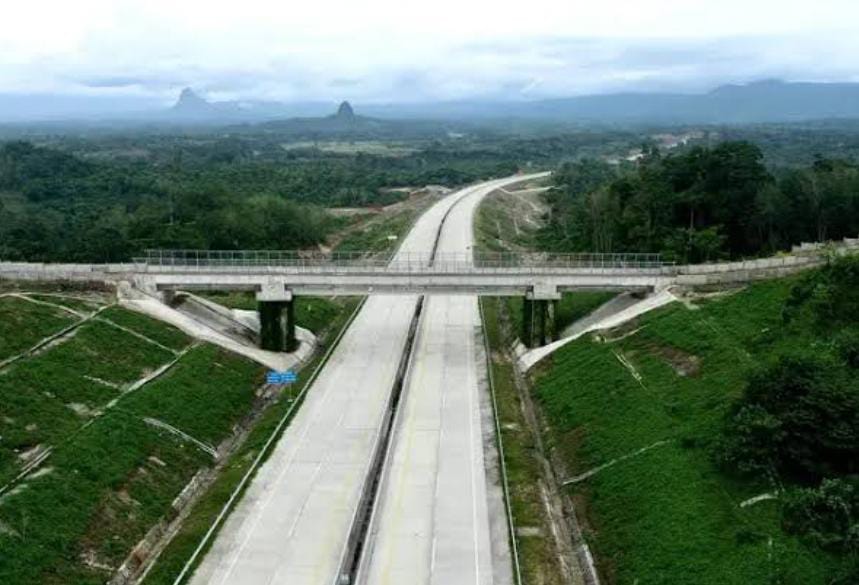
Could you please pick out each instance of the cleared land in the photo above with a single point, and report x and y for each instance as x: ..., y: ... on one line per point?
x: 647, y: 403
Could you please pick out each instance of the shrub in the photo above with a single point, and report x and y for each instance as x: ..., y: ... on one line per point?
x: 798, y: 415
x: 828, y: 514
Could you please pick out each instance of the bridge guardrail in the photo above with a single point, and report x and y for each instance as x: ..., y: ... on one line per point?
x: 402, y: 262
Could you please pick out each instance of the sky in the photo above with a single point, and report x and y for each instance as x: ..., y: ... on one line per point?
x: 378, y: 51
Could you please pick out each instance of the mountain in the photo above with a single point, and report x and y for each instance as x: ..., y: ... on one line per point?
x: 345, y: 112
x: 192, y: 105
x: 346, y: 123
x: 763, y: 101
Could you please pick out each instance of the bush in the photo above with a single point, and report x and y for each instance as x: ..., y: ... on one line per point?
x: 828, y: 514
x: 847, y: 343
x: 798, y: 415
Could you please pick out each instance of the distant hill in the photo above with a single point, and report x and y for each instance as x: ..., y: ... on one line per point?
x: 346, y: 123
x: 763, y: 101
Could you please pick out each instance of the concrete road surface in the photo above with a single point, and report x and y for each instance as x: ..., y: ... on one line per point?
x: 440, y: 516
x: 292, y: 523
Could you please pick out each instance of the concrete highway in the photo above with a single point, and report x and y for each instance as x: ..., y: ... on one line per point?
x: 440, y: 516
x: 291, y: 526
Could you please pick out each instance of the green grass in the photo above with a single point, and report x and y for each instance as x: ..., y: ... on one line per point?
x: 46, y: 397
x: 207, y: 508
x: 184, y: 397
x: 506, y: 223
x: 538, y: 559
x: 23, y: 324
x: 669, y: 515
x: 80, y: 304
x: 107, y: 483
x: 154, y: 330
x: 374, y: 236
x: 313, y: 313
x: 572, y: 307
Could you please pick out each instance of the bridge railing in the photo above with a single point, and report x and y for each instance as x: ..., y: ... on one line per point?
x: 402, y: 261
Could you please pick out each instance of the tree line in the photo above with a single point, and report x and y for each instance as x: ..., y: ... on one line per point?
x: 701, y: 205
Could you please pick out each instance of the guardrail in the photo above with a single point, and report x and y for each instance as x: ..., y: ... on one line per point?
x: 400, y: 262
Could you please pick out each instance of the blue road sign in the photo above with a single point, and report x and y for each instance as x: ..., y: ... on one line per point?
x: 287, y: 377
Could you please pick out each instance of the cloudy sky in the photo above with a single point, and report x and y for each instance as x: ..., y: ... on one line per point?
x: 400, y: 50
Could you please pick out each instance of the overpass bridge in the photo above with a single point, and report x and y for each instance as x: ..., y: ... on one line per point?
x: 278, y: 275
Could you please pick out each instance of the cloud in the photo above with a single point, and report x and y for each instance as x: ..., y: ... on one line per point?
x: 387, y: 50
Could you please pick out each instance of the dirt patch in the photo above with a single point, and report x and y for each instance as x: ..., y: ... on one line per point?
x: 80, y: 409
x: 684, y: 364
x: 622, y: 331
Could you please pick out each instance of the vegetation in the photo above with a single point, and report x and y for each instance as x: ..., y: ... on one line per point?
x: 797, y: 421
x: 46, y: 398
x: 207, y: 508
x: 649, y: 402
x: 23, y: 324
x: 313, y: 313
x: 702, y: 204
x: 111, y: 474
x: 538, y: 554
x: 101, y: 490
x: 154, y: 330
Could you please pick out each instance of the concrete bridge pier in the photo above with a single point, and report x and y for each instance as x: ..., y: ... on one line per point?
x: 277, y: 318
x: 538, y: 322
x: 538, y: 316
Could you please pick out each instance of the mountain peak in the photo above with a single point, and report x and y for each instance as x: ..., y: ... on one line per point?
x: 189, y: 101
x: 345, y: 111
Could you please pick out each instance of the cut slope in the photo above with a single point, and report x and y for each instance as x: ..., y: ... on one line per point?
x: 650, y: 405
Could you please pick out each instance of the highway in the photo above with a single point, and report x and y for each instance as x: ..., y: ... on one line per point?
x: 291, y: 526
x: 440, y: 515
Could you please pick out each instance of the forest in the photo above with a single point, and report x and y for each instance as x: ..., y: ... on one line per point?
x: 701, y: 204
x: 103, y: 197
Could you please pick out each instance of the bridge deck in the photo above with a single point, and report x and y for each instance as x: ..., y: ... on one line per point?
x: 361, y: 274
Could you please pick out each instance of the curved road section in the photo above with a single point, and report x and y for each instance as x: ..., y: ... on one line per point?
x: 292, y: 524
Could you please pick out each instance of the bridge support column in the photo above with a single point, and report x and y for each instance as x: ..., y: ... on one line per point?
x: 541, y: 316
x: 527, y: 333
x: 291, y: 340
x: 277, y: 325
x: 538, y: 322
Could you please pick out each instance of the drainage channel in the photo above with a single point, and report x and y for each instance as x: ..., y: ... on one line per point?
x: 364, y: 514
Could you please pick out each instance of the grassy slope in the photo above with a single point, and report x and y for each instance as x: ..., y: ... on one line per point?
x: 23, y: 324
x: 668, y: 515
x: 106, y: 483
x: 205, y: 510
x: 38, y: 394
x: 374, y: 237
x: 155, y: 330
x: 496, y: 230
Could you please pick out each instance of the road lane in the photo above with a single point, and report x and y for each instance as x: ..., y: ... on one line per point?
x: 291, y: 524
x: 440, y: 518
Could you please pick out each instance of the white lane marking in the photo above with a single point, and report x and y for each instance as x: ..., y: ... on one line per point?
x: 301, y: 442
